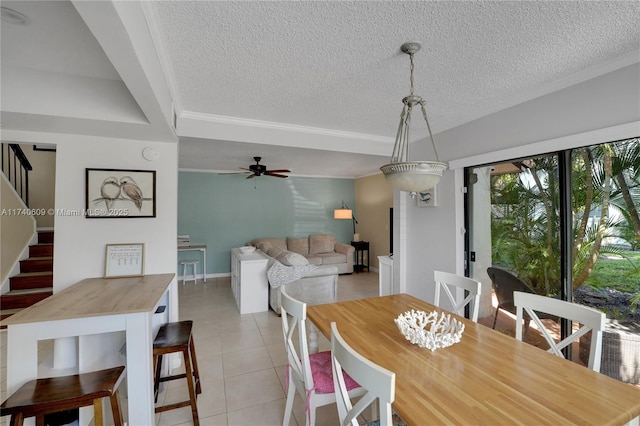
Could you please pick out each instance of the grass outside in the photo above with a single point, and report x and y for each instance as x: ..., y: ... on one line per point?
x: 618, y: 272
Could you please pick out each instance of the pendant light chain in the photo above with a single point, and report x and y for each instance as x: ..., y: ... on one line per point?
x: 411, y: 72
x: 422, y: 103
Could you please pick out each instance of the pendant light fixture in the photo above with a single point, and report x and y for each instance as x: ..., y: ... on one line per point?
x: 405, y: 175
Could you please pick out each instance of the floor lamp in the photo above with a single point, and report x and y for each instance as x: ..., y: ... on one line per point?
x: 346, y: 213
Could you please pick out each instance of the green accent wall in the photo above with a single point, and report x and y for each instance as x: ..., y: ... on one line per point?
x: 227, y: 211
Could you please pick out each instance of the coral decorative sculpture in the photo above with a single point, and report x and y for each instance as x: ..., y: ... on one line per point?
x: 428, y: 330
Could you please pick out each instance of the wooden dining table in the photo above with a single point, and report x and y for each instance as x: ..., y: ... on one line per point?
x: 488, y: 378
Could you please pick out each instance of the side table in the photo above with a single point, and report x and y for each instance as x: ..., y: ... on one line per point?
x: 361, y: 247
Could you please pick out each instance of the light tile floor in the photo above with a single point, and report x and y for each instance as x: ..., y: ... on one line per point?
x: 241, y: 359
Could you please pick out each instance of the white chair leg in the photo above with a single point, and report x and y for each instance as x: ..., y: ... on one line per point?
x: 291, y: 394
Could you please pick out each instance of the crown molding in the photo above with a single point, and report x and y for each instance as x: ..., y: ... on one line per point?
x: 209, y: 126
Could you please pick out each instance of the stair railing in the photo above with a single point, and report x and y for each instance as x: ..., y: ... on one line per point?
x: 16, y: 168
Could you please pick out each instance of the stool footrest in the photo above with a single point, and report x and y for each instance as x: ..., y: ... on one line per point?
x: 173, y: 406
x: 174, y: 377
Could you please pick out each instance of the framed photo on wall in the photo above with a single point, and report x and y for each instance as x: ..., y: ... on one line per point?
x: 427, y: 198
x: 118, y: 193
x: 124, y: 260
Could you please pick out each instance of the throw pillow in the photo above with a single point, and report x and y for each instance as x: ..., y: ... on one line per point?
x: 275, y: 252
x: 298, y: 245
x: 263, y: 246
x: 321, y: 243
x: 292, y: 259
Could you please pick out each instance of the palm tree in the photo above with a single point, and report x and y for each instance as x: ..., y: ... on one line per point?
x: 525, y: 225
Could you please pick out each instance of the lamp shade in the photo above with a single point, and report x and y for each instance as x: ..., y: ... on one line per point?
x: 342, y: 214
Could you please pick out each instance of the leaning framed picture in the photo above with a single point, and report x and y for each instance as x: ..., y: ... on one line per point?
x: 427, y: 198
x: 124, y: 260
x: 119, y: 193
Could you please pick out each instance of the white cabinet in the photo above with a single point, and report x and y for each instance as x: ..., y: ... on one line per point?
x: 249, y: 281
x: 385, y: 275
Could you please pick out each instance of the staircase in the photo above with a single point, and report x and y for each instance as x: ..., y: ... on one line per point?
x: 35, y: 280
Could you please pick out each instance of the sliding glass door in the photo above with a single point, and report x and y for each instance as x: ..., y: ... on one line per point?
x: 518, y: 215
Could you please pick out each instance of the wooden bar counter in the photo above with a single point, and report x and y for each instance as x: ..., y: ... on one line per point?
x: 92, y: 307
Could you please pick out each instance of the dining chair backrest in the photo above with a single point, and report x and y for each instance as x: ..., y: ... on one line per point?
x: 588, y: 318
x: 446, y: 281
x: 294, y: 317
x: 378, y: 382
x: 308, y: 374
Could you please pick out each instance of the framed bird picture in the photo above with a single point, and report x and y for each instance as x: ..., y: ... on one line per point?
x: 118, y: 193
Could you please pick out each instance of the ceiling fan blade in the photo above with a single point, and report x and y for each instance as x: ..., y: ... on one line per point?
x: 276, y: 175
x: 251, y: 176
x: 234, y: 173
x: 279, y: 171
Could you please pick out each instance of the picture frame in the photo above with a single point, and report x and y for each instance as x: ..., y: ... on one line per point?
x: 120, y: 193
x: 427, y: 198
x: 124, y: 260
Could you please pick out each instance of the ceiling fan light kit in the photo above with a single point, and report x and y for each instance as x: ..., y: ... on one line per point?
x: 402, y: 174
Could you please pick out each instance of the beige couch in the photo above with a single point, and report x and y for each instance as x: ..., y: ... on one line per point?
x: 321, y: 250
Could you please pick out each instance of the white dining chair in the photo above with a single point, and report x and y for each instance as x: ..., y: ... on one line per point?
x: 309, y: 374
x: 589, y: 319
x: 380, y: 384
x: 446, y: 281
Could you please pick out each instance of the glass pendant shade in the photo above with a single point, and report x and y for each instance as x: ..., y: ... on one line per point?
x: 414, y: 176
x: 402, y: 174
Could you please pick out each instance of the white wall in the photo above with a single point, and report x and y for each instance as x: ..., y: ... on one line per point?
x: 603, y: 109
x: 80, y: 242
x: 79, y: 248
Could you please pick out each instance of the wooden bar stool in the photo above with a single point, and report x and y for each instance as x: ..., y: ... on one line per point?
x: 51, y: 395
x: 176, y: 337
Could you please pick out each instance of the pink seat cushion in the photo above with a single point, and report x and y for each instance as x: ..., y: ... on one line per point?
x: 322, y: 375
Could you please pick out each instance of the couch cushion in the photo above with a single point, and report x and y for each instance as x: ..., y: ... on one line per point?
x: 275, y: 252
x: 263, y: 246
x: 321, y: 243
x: 332, y: 258
x: 290, y: 258
x: 276, y: 242
x: 298, y: 245
x: 314, y: 259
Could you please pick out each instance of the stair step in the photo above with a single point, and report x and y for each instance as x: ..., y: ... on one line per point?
x: 30, y: 280
x: 38, y: 250
x: 6, y: 313
x: 16, y: 299
x: 45, y: 237
x: 37, y: 264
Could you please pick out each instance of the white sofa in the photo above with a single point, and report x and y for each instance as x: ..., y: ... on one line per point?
x: 318, y: 287
x: 309, y: 277
x: 321, y: 250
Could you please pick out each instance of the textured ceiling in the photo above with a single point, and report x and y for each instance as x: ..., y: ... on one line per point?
x: 337, y: 65
x: 313, y: 86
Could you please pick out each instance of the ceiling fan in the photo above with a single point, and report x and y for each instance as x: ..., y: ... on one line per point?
x: 260, y: 169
